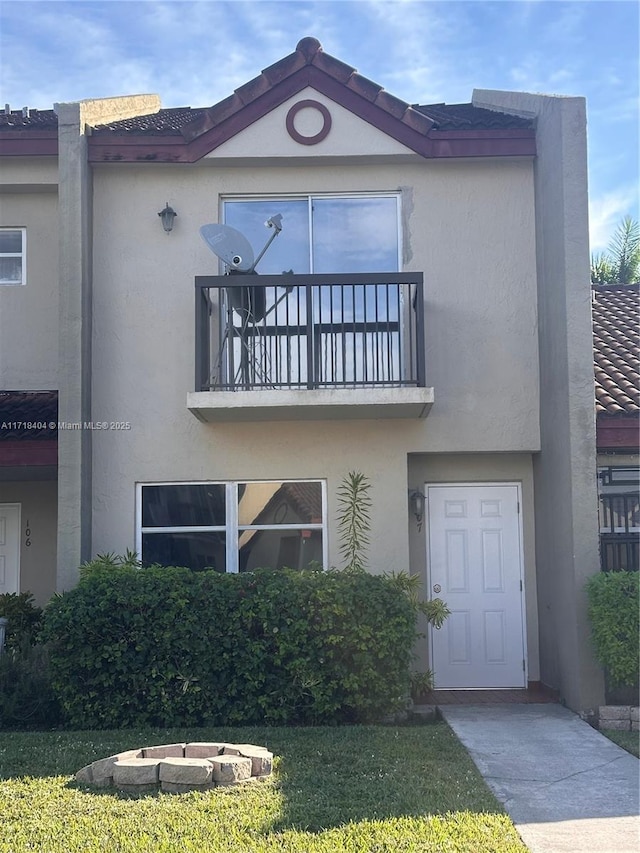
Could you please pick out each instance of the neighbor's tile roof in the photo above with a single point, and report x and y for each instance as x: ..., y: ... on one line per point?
x: 28, y: 119
x: 616, y: 349
x: 18, y: 409
x: 305, y: 498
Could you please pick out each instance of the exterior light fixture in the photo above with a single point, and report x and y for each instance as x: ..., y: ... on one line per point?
x: 417, y: 502
x: 167, y: 215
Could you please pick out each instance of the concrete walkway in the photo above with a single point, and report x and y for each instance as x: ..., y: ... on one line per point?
x: 567, y: 788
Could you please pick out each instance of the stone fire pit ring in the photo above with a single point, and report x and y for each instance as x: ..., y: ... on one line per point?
x: 179, y: 767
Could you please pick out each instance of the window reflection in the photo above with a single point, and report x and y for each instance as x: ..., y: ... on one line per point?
x: 294, y: 549
x: 290, y: 249
x: 196, y: 551
x: 279, y: 503
x: 274, y: 524
x: 184, y: 505
x: 355, y: 234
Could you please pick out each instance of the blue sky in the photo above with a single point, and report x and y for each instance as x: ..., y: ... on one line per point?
x: 196, y: 53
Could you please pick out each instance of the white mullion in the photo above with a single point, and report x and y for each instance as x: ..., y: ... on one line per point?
x: 399, y: 229
x: 325, y: 525
x: 185, y: 529
x: 276, y: 527
x: 310, y: 219
x: 138, y: 520
x: 231, y: 538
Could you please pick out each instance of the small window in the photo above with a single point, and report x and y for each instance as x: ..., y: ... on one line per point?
x: 13, y: 255
x: 232, y: 527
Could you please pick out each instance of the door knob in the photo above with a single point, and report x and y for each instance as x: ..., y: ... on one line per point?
x: 437, y: 587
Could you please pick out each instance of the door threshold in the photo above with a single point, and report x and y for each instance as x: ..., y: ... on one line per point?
x: 533, y: 694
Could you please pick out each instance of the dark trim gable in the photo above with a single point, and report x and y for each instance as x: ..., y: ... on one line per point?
x: 308, y: 66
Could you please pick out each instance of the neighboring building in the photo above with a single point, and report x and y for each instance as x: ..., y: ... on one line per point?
x: 434, y: 334
x: 616, y: 339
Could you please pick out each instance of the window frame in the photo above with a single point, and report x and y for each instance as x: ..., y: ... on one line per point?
x: 309, y: 197
x: 22, y: 254
x: 232, y: 528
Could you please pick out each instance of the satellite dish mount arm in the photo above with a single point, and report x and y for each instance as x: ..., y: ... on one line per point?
x: 274, y: 222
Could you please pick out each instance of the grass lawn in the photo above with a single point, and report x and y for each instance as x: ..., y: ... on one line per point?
x: 363, y: 789
x: 627, y: 740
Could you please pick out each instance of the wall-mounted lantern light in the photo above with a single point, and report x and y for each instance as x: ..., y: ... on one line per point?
x: 417, y: 502
x: 167, y: 215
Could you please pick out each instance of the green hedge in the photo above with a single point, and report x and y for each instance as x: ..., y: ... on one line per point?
x: 613, y: 611
x: 24, y: 618
x: 167, y: 646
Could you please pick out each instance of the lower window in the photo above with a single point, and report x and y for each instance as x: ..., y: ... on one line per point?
x: 232, y: 527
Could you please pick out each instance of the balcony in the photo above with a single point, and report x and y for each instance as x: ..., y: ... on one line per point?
x: 309, y: 347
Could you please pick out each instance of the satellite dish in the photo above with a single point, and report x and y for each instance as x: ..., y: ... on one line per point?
x: 230, y: 246
x: 233, y: 248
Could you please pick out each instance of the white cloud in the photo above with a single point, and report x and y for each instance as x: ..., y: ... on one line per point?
x: 606, y: 211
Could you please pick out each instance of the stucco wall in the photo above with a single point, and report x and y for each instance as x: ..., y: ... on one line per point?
x: 29, y: 174
x: 38, y: 510
x: 565, y: 470
x: 74, y: 322
x: 349, y: 135
x: 29, y: 312
x: 467, y: 225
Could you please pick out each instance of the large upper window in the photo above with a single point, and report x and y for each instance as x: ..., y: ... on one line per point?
x: 348, y: 334
x: 232, y: 527
x: 322, y: 234
x: 13, y: 255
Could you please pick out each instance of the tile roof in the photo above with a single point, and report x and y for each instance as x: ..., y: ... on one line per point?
x: 18, y: 409
x: 185, y: 134
x: 467, y: 116
x: 171, y: 122
x: 28, y: 119
x: 166, y: 122
x: 307, y: 497
x: 616, y: 349
x: 309, y: 53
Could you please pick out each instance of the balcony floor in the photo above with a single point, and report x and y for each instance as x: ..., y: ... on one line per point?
x: 310, y: 405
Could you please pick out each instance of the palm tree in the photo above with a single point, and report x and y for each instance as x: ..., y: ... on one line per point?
x: 620, y: 264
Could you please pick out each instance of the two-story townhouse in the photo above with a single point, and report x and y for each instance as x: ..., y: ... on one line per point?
x: 432, y: 331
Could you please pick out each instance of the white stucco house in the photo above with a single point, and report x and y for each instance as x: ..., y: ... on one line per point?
x: 433, y: 331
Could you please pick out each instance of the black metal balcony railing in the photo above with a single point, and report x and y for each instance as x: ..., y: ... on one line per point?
x: 309, y: 331
x: 619, y: 531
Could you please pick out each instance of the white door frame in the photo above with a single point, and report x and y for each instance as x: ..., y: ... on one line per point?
x: 17, y: 506
x: 523, y: 608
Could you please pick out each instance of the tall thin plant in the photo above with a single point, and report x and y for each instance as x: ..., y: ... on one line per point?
x: 620, y: 264
x: 354, y: 520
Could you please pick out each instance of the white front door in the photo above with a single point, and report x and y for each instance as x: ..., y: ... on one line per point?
x: 475, y: 565
x: 9, y: 548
